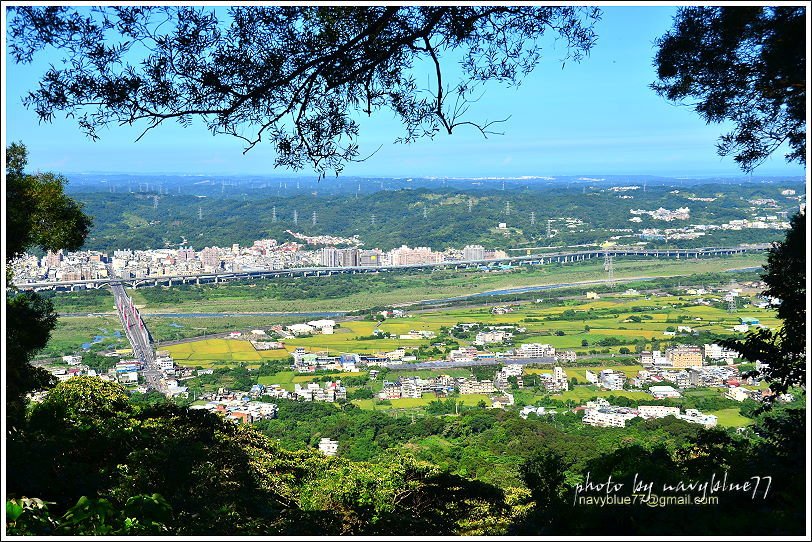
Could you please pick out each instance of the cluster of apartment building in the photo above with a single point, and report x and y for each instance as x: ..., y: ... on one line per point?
x: 263, y: 255
x: 240, y: 410
x: 496, y: 335
x: 329, y: 393
x: 310, y: 362
x: 555, y: 382
x: 683, y: 356
x: 600, y: 413
x: 681, y: 213
x: 693, y: 231
x: 326, y: 239
x: 607, y: 378
x: 403, y: 255
x: 59, y: 266
x: 415, y: 387
x: 714, y: 376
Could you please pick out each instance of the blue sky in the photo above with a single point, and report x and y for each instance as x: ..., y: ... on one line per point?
x: 596, y: 117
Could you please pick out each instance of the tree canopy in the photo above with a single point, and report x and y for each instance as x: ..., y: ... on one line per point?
x: 38, y: 213
x: 746, y: 64
x: 295, y: 76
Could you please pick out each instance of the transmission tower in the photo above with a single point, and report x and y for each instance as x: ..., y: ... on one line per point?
x: 609, y: 267
x: 425, y: 213
x: 507, y: 208
x: 200, y: 213
x: 372, y: 219
x: 549, y: 228
x: 731, y: 298
x: 273, y: 214
x: 470, y: 205
x: 155, y: 202
x: 295, y: 217
x: 532, y: 218
x: 314, y: 218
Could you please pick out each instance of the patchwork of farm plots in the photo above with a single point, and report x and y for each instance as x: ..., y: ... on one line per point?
x: 579, y: 326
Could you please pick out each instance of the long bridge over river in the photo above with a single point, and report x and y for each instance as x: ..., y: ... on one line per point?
x: 535, y: 259
x: 139, y: 337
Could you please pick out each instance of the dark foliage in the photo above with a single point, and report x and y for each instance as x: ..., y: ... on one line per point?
x: 29, y: 322
x: 745, y: 64
x: 38, y: 214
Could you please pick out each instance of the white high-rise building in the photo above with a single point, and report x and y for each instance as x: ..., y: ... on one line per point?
x: 473, y: 252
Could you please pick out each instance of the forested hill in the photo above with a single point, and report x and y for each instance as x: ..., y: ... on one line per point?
x: 438, y: 217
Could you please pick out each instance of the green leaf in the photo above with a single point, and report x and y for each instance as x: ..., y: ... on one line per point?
x: 13, y: 510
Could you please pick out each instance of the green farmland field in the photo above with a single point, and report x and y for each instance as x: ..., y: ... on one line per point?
x: 730, y: 417
x: 369, y: 404
x: 214, y: 352
x: 580, y: 394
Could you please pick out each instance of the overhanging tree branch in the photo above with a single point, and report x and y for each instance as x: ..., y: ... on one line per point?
x: 292, y: 75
